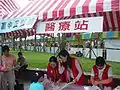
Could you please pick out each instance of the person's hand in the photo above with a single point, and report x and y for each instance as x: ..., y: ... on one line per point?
x: 6, y: 69
x: 59, y: 60
x: 58, y: 82
x: 74, y: 81
x: 41, y: 79
x: 96, y: 83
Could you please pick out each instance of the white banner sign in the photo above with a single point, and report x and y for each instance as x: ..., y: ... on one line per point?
x: 17, y: 23
x: 91, y: 24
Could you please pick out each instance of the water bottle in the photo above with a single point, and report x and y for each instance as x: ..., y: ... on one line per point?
x: 46, y: 81
x: 45, y: 76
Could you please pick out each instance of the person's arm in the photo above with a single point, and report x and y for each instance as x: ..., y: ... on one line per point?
x: 18, y: 61
x: 61, y: 68
x: 77, y: 64
x: 4, y: 67
x: 92, y: 80
x: 110, y: 78
x: 62, y: 78
x: 3, y: 62
x: 107, y: 81
x: 14, y: 61
x: 24, y: 62
x: 92, y: 77
x: 15, y: 66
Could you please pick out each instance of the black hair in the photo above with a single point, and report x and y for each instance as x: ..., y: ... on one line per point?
x: 36, y: 76
x: 19, y: 53
x: 53, y: 59
x: 65, y: 53
x: 100, y: 61
x: 5, y: 48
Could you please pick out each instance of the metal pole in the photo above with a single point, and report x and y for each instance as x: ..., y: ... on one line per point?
x: 35, y: 42
x: 54, y: 45
x: 0, y: 44
x: 0, y: 60
x: 25, y: 42
x: 20, y: 44
x: 44, y: 44
x: 58, y: 41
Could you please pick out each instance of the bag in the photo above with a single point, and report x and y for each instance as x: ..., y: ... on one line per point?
x: 19, y: 87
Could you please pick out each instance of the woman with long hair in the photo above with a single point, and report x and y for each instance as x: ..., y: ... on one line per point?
x: 71, y: 67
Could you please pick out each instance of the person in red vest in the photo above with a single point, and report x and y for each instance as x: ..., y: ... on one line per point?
x: 101, y: 74
x: 71, y: 68
x: 52, y: 71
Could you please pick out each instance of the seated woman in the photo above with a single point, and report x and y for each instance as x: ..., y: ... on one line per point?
x: 101, y: 74
x: 22, y: 61
x: 71, y: 67
x: 52, y: 71
x: 36, y: 83
x: 22, y: 65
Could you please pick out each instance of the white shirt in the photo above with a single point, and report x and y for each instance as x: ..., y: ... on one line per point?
x: 100, y: 73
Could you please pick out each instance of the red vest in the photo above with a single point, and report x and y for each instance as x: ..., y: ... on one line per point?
x: 53, y: 74
x: 104, y: 75
x: 75, y: 73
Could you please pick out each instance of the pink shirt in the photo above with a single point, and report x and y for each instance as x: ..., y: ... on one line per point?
x: 9, y: 61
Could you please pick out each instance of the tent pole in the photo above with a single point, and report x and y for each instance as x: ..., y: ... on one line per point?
x: 54, y: 45
x: 63, y: 43
x: 40, y: 44
x: 0, y: 60
x: 13, y: 42
x: 35, y: 42
x: 90, y: 47
x: 58, y: 41
x: 44, y: 44
x: 25, y: 44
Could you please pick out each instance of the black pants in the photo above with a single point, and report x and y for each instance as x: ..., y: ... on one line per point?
x: 19, y: 87
x: 18, y: 74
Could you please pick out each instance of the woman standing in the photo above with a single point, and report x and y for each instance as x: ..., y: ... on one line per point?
x: 9, y: 62
x: 22, y: 61
x: 71, y: 67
